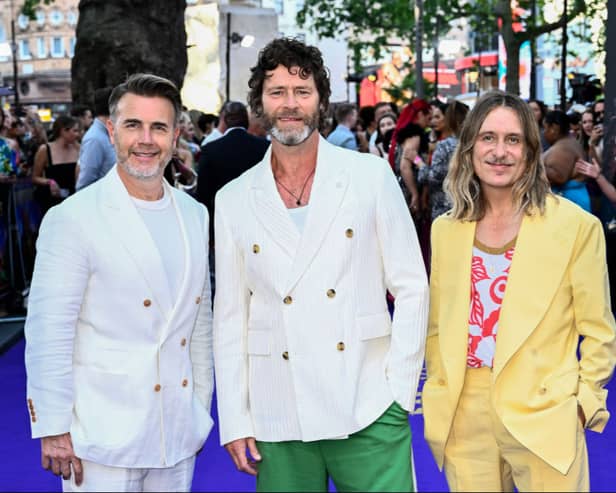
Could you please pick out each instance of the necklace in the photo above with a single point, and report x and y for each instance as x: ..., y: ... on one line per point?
x: 298, y: 200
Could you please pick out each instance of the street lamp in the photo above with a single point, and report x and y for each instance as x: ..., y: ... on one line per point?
x: 14, y: 50
x: 245, y: 41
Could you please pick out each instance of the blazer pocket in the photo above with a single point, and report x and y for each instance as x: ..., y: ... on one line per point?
x: 259, y: 342
x: 373, y: 326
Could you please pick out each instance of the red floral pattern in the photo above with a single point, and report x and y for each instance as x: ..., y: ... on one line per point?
x: 488, y: 286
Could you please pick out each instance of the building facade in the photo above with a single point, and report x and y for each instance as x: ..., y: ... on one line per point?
x: 45, y: 46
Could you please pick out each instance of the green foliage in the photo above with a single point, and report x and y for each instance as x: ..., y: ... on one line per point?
x: 29, y: 7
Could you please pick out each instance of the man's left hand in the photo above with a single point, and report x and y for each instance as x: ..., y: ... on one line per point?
x: 57, y: 455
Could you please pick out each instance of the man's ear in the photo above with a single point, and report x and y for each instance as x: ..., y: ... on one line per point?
x: 109, y: 125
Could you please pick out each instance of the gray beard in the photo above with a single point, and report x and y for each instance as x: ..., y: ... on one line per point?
x: 291, y: 137
x: 150, y: 174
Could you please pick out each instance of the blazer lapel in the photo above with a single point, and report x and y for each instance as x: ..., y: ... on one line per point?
x: 187, y: 247
x: 269, y: 208
x: 128, y: 229
x: 540, y: 257
x: 328, y: 190
x: 455, y: 264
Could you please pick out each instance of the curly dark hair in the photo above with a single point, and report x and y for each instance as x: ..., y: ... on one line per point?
x: 291, y: 53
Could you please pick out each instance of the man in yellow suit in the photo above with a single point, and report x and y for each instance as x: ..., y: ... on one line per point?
x: 507, y: 397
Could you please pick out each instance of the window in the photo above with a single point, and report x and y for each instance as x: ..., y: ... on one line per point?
x: 279, y: 6
x: 41, y: 47
x: 56, y: 17
x: 23, y: 21
x: 71, y: 49
x: 24, y: 50
x: 5, y: 48
x: 40, y: 18
x: 72, y: 18
x: 57, y: 48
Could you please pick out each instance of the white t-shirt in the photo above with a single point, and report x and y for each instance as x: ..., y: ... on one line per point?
x: 298, y: 216
x: 162, y: 222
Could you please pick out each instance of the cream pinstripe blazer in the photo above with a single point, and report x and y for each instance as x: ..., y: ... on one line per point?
x: 304, y: 346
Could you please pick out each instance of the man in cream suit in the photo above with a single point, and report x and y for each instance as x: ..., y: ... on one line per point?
x: 314, y: 379
x: 521, y: 340
x: 118, y: 332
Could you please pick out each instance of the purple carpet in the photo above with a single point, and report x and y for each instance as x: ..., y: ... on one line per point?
x: 20, y: 465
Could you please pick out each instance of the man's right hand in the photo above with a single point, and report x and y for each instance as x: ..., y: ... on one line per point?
x: 57, y: 455
x: 237, y: 451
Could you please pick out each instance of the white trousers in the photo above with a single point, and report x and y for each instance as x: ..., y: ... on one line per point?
x: 97, y: 477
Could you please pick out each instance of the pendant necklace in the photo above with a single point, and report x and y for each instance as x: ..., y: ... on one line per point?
x: 298, y: 200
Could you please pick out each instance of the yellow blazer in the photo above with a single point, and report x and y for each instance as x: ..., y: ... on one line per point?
x: 557, y: 291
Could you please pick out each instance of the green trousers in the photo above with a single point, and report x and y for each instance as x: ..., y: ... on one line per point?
x: 377, y: 458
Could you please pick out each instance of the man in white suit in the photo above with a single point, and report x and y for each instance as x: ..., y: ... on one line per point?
x: 118, y: 332
x: 314, y: 378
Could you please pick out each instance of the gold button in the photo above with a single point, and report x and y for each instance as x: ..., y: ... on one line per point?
x: 198, y: 300
x: 441, y: 381
x: 34, y: 419
x: 543, y: 390
x: 288, y: 300
x: 285, y: 355
x: 184, y: 383
x: 349, y: 233
x: 331, y: 293
x: 157, y: 387
x: 183, y: 341
x: 340, y: 346
x: 256, y: 248
x: 30, y: 401
x: 147, y: 302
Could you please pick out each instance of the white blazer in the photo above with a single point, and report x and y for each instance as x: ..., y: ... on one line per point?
x: 108, y: 357
x: 304, y: 345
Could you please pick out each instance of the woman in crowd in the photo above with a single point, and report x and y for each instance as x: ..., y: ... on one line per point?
x: 416, y: 112
x: 384, y: 124
x: 539, y: 110
x: 518, y: 277
x: 55, y: 164
x: 560, y: 159
x: 438, y: 126
x: 434, y: 175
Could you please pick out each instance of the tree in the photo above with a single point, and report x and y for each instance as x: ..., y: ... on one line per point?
x: 116, y: 38
x: 371, y: 24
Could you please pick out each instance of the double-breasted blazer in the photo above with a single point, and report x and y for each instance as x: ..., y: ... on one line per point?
x: 109, y: 357
x: 557, y: 293
x: 304, y: 345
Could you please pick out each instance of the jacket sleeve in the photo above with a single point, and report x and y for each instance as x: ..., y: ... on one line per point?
x: 433, y: 354
x: 91, y: 157
x: 58, y: 285
x: 405, y: 278
x: 201, y: 352
x: 595, y: 323
x: 230, y: 332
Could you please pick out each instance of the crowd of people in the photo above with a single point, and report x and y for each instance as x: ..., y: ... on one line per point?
x: 349, y: 247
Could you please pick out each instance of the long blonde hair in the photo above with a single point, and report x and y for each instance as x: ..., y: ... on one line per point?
x: 462, y: 184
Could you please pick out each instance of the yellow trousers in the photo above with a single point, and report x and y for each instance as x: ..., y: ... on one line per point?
x: 481, y: 455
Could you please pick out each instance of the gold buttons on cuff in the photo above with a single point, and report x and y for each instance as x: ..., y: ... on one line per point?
x: 157, y: 387
x: 147, y: 302
x: 184, y: 383
x: 287, y: 300
x: 349, y: 233
x: 331, y: 293
x: 34, y: 419
x: 256, y: 248
x: 285, y: 355
x: 183, y: 341
x: 340, y: 346
x: 198, y: 300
